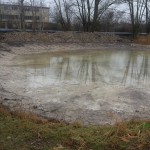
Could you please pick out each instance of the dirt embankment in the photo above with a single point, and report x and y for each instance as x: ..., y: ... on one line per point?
x: 60, y: 37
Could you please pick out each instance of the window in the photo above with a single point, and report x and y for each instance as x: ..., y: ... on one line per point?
x: 31, y: 17
x: 6, y: 7
x: 36, y: 9
x: 37, y: 17
x: 28, y: 17
x: 8, y: 17
x: 27, y: 9
x: 14, y: 7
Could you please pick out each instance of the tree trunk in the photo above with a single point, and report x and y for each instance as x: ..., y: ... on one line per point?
x: 147, y: 24
x: 94, y: 24
x: 22, y: 19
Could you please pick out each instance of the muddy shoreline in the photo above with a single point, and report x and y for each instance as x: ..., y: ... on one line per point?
x: 117, y: 103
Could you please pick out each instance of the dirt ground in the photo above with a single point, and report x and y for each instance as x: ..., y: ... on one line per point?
x: 104, y: 104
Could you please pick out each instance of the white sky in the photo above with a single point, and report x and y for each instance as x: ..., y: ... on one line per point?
x: 46, y: 2
x: 49, y: 3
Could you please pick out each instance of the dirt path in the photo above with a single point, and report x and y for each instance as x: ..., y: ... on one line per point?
x: 92, y: 104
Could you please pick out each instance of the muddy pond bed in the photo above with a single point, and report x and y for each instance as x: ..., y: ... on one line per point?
x: 94, y: 86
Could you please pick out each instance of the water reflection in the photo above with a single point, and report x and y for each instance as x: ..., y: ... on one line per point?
x: 137, y: 68
x: 105, y: 67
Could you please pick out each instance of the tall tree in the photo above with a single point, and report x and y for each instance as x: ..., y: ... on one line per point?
x: 100, y: 8
x: 82, y: 11
x: 63, y: 13
x: 91, y: 11
x: 41, y: 15
x: 34, y: 14
x: 147, y: 2
x: 22, y: 15
x: 137, y: 9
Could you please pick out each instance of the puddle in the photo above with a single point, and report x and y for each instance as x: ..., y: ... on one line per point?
x: 117, y: 67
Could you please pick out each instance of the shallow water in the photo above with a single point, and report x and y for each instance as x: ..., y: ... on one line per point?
x: 113, y: 67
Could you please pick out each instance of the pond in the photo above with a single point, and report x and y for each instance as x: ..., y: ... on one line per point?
x: 111, y: 67
x: 92, y: 86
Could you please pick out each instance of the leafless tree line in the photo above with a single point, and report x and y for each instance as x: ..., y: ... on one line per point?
x: 139, y: 13
x: 89, y: 15
x: 85, y: 12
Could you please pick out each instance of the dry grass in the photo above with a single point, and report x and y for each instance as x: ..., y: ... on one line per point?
x: 145, y: 40
x: 23, y: 131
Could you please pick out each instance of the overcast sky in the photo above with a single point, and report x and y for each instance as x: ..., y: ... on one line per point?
x: 50, y: 3
x: 46, y: 2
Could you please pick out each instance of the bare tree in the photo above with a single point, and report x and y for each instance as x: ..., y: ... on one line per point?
x: 17, y: 20
x: 100, y: 8
x: 34, y: 15
x: 22, y: 14
x: 147, y: 4
x: 41, y: 15
x: 63, y: 13
x: 0, y: 14
x: 137, y: 9
x: 90, y: 12
x: 84, y: 11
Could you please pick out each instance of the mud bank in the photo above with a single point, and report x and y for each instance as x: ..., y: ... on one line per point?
x: 89, y: 104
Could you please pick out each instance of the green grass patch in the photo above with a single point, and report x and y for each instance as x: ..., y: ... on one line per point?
x: 20, y: 131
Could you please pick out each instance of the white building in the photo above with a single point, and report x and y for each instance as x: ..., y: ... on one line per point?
x: 10, y: 16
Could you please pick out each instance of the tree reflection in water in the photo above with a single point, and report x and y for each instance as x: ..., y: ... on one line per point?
x: 137, y: 69
x: 106, y: 67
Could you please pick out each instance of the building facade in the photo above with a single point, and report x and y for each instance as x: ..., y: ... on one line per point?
x: 10, y: 16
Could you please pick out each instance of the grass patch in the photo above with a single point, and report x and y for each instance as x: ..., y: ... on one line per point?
x: 23, y: 132
x: 145, y: 40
